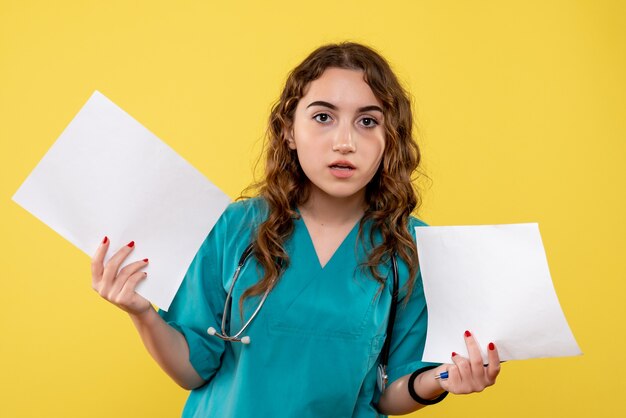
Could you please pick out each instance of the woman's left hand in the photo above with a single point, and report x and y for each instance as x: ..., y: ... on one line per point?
x: 470, y: 375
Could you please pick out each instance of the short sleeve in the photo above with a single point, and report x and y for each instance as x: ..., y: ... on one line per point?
x: 409, y: 331
x: 199, y: 302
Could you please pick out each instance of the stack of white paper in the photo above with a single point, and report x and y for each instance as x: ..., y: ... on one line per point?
x: 108, y: 175
x: 492, y: 280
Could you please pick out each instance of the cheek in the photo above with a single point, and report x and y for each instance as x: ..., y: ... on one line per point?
x: 378, y: 161
x: 379, y: 152
x: 304, y: 158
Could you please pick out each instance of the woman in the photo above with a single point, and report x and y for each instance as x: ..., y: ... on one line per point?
x: 333, y: 209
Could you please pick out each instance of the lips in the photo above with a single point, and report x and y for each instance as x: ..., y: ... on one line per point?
x: 342, y: 169
x: 342, y: 165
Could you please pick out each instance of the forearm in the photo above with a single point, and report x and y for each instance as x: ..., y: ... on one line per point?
x: 396, y: 399
x: 168, y: 347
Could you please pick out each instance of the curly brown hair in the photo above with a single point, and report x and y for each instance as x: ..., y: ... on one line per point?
x: 391, y: 195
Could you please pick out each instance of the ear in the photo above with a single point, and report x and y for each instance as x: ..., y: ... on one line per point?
x: 291, y: 143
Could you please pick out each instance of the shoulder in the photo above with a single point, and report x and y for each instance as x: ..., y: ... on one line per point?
x: 233, y: 232
x: 414, y: 223
x: 238, y: 224
x: 250, y: 207
x: 244, y: 213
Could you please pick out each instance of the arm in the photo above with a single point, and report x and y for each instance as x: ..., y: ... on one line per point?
x: 465, y: 376
x: 168, y: 348
x: 165, y: 344
x: 396, y: 399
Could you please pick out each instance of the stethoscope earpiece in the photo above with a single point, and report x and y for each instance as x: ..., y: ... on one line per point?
x: 243, y: 340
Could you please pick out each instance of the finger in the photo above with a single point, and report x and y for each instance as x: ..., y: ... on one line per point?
x: 128, y: 295
x: 451, y: 379
x: 463, y: 382
x: 133, y: 267
x: 124, y: 274
x: 133, y: 281
x: 97, y: 261
x: 463, y: 367
x: 111, y: 268
x: 475, y: 357
x: 493, y: 369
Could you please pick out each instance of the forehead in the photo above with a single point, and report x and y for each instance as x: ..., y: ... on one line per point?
x: 342, y: 87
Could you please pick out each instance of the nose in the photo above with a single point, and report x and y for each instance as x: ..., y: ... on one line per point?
x: 344, y: 141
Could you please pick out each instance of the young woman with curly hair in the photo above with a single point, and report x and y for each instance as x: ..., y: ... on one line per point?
x: 330, y: 218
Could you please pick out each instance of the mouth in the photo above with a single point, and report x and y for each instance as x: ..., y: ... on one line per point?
x: 342, y: 165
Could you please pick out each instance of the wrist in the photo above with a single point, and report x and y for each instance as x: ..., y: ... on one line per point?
x: 424, y: 388
x: 143, y: 317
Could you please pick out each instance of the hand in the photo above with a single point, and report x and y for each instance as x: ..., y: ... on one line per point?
x: 469, y: 375
x: 119, y: 287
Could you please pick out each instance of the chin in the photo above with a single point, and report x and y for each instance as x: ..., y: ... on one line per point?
x: 343, y: 193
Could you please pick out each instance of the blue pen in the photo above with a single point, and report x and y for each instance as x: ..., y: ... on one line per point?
x: 442, y: 376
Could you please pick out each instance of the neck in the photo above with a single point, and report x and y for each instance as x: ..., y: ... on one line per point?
x: 329, y: 210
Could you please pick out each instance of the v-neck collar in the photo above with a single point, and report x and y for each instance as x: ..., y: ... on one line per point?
x: 312, y: 249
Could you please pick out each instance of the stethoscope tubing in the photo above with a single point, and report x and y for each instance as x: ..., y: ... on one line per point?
x: 384, y: 354
x: 223, y: 335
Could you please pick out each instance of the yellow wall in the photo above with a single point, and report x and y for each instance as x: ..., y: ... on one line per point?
x: 521, y: 106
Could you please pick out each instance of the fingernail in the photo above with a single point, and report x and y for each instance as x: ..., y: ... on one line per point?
x: 145, y: 260
x: 468, y: 334
x: 492, y: 346
x: 131, y: 244
x: 104, y: 241
x: 453, y: 354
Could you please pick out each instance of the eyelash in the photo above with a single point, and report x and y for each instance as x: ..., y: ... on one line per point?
x: 365, y: 126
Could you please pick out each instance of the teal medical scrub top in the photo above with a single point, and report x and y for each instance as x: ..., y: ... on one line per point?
x: 316, y: 341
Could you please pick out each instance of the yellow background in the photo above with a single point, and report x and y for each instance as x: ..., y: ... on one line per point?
x: 521, y: 106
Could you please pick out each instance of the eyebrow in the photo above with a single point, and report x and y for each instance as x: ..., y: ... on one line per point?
x: 333, y: 107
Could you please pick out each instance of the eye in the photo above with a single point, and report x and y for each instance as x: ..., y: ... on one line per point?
x: 322, y: 117
x: 369, y: 122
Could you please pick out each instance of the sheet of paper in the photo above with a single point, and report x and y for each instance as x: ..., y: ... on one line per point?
x: 494, y: 281
x: 108, y: 175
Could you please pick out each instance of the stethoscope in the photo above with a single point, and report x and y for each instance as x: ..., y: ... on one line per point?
x: 382, y: 377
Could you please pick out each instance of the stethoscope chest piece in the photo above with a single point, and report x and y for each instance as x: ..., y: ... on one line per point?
x: 381, y: 377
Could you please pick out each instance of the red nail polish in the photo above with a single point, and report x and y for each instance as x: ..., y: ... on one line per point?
x: 453, y: 354
x: 492, y: 346
x: 145, y: 260
x: 131, y: 244
x: 468, y: 334
x: 104, y: 241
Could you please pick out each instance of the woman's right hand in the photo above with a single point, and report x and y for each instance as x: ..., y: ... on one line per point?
x: 119, y: 287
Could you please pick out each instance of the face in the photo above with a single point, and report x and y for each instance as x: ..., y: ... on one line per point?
x: 338, y: 134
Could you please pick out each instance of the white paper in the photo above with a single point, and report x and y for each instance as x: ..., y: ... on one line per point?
x: 108, y: 175
x: 494, y: 281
